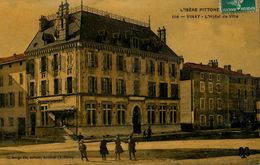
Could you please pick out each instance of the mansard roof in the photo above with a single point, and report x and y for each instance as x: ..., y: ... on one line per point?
x: 86, y: 26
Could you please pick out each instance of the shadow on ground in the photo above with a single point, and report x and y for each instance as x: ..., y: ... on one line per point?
x: 177, y: 154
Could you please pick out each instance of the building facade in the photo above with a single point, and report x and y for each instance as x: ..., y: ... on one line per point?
x: 242, y: 99
x: 257, y: 83
x: 13, y: 94
x: 101, y: 74
x: 214, y: 97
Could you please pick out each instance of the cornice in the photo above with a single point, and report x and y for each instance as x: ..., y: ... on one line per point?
x: 100, y: 46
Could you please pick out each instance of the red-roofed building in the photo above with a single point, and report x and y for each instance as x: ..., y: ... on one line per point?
x: 13, y: 94
x: 214, y: 97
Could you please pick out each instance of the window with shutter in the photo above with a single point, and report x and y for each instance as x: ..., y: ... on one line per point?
x: 151, y: 114
x: 107, y: 113
x: 161, y: 68
x: 43, y: 88
x: 106, y: 62
x: 136, y: 65
x: 172, y: 70
x: 47, y: 88
x: 162, y: 114
x: 69, y: 85
x: 106, y: 86
x: 136, y: 86
x: 163, y: 90
x: 174, y: 91
x: 152, y: 89
x: 121, y: 108
x: 7, y: 100
x: 92, y: 85
x: 1, y: 81
x: 60, y: 86
x: 120, y: 63
x: 120, y: 84
x: 43, y: 64
x: 74, y: 85
x: 56, y: 86
x: 91, y: 113
x: 55, y: 62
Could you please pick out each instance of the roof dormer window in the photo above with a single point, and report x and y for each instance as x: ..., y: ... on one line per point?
x: 135, y: 42
x: 102, y: 36
x: 117, y: 38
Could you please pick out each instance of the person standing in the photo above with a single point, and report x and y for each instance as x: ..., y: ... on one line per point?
x: 144, y: 134
x: 131, y: 147
x: 149, y: 133
x: 118, y: 148
x: 103, y: 148
x: 83, y: 150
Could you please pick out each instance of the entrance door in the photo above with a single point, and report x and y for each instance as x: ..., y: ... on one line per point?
x: 33, y: 123
x: 21, y: 127
x: 136, y: 120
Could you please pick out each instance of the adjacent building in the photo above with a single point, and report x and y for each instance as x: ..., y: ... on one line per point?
x: 13, y: 94
x: 242, y: 98
x: 257, y: 84
x: 214, y: 97
x: 101, y: 74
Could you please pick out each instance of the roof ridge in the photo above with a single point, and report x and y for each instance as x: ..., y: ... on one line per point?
x: 216, y: 69
x: 102, y: 13
x: 12, y: 58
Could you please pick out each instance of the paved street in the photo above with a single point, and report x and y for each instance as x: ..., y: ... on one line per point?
x: 144, y: 153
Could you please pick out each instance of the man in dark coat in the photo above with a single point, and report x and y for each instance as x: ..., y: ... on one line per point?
x: 118, y: 148
x: 103, y: 148
x: 149, y: 133
x: 131, y: 147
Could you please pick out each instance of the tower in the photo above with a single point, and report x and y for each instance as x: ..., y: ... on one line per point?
x: 62, y: 21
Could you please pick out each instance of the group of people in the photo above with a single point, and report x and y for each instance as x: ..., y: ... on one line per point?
x: 104, y: 151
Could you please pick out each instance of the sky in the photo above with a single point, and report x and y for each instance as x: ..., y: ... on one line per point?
x: 234, y: 41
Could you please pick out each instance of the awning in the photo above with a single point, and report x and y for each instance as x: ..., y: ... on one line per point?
x: 63, y: 108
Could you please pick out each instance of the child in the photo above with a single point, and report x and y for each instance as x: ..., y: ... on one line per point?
x: 83, y: 150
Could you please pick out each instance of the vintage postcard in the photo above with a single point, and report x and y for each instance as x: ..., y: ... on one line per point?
x: 129, y: 82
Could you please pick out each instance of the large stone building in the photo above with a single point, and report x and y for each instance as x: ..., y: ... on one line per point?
x: 100, y: 73
x: 214, y: 97
x: 13, y: 94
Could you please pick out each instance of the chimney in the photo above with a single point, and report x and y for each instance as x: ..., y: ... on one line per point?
x: 181, y: 62
x: 240, y: 71
x: 216, y: 63
x: 213, y: 63
x: 210, y: 63
x: 227, y: 67
x: 62, y: 21
x: 162, y: 34
x: 43, y: 23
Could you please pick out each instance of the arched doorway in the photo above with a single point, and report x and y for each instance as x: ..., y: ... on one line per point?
x: 136, y: 120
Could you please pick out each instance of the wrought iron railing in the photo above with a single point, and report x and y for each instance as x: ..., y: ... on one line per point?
x: 102, y: 13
